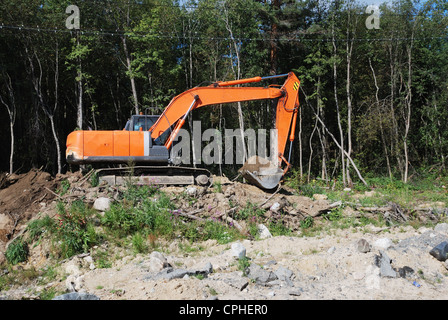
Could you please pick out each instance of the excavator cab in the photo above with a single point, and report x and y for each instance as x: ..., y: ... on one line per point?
x: 144, y: 123
x: 140, y: 122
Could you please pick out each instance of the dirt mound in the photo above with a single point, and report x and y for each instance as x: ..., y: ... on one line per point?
x: 21, y: 197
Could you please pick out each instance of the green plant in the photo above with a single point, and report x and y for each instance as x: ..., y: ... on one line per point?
x: 138, y: 243
x: 243, y: 264
x: 38, y: 227
x: 307, y: 223
x: 217, y: 186
x: 17, y: 251
x: 74, y: 230
x: 249, y: 211
x: 102, y: 259
x: 94, y: 179
x: 279, y: 229
x: 63, y: 188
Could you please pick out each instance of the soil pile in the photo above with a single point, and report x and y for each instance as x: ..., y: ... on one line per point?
x: 21, y: 197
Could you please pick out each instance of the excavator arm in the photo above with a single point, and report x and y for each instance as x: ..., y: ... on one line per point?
x: 223, y: 92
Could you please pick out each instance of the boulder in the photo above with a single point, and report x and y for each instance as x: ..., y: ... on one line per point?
x: 261, y: 276
x: 384, y: 263
x: 363, y: 246
x: 102, y: 204
x: 440, y: 252
x: 238, y: 250
x: 263, y: 232
x: 157, y: 261
x: 383, y: 243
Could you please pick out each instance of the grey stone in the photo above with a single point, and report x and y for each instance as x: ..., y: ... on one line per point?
x: 406, y: 272
x: 263, y: 232
x: 284, y: 273
x: 441, y: 227
x: 363, y: 246
x: 169, y: 273
x: 384, y: 263
x: 157, y: 261
x: 440, y: 252
x: 383, y: 243
x: 102, y: 204
x: 238, y: 250
x: 275, y: 207
x: 260, y: 275
x: 76, y: 296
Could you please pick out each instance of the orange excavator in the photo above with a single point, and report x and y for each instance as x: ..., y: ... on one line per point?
x: 140, y: 141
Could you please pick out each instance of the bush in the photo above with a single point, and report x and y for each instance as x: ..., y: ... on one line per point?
x: 17, y: 251
x: 74, y: 231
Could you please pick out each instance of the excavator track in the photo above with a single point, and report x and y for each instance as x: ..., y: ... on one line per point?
x: 155, y: 175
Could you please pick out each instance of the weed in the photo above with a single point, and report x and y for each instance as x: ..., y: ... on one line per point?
x: 17, y: 251
x: 73, y: 229
x: 102, y: 259
x: 138, y: 243
x: 243, y: 264
x: 217, y: 186
x: 38, y: 227
x: 94, y: 179
x: 307, y: 223
x: 279, y: 229
x: 63, y: 188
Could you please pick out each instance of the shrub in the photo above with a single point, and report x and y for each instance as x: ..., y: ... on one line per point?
x: 17, y: 251
x: 75, y: 233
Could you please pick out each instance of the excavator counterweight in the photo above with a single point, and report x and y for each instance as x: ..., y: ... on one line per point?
x: 147, y: 140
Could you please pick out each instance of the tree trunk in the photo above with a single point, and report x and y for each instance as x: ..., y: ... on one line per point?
x: 131, y: 77
x: 11, y: 108
x: 341, y: 132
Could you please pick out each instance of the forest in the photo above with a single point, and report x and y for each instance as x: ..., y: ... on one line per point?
x: 373, y: 92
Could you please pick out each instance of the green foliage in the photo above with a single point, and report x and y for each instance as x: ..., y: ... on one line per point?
x: 17, y: 251
x: 74, y: 231
x: 250, y: 211
x: 138, y: 243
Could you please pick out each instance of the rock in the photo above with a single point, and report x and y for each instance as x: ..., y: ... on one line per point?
x: 76, y: 296
x: 263, y: 232
x: 275, y: 207
x: 191, y: 191
x: 73, y: 267
x: 74, y: 283
x: 102, y: 204
x: 383, y: 243
x: 285, y: 274
x: 261, y: 276
x: 331, y: 250
x: 238, y: 250
x: 384, y: 263
x: 318, y: 196
x: 406, y: 272
x: 363, y: 246
x: 441, y: 227
x: 157, y: 261
x: 169, y: 273
x: 208, y: 268
x: 440, y: 252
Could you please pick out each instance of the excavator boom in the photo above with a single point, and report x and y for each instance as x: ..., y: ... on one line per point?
x: 143, y: 146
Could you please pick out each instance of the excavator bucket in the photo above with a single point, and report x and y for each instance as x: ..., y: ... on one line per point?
x: 261, y: 173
